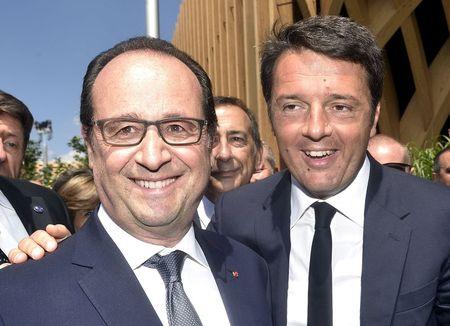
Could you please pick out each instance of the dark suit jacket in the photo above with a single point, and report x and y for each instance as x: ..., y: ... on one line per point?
x: 406, y: 246
x: 36, y: 206
x: 88, y: 282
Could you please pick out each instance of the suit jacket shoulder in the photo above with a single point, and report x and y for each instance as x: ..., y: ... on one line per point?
x: 87, y: 281
x: 35, y: 205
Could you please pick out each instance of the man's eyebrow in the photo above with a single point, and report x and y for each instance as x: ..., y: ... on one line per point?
x: 236, y: 132
x: 287, y: 97
x: 8, y: 134
x: 347, y: 97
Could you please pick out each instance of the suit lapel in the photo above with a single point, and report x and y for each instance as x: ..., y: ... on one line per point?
x: 20, y: 203
x: 273, y: 236
x: 229, y: 286
x: 109, y: 283
x: 385, y: 247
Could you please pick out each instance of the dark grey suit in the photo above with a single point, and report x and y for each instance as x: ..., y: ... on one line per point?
x: 406, y: 248
x: 36, y: 206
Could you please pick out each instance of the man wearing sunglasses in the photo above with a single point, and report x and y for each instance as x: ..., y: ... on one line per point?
x: 389, y: 152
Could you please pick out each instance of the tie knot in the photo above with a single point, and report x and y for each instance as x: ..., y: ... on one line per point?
x: 324, y: 213
x: 168, y: 266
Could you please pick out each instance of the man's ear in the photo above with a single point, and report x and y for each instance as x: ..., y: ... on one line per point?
x: 434, y: 176
x: 259, y: 162
x: 375, y: 119
x: 88, y: 141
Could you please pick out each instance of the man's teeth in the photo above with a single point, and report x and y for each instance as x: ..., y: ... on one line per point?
x: 154, y: 184
x: 318, y: 154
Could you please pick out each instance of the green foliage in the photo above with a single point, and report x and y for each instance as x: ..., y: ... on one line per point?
x: 423, y: 157
x: 46, y: 175
x: 78, y: 145
x: 31, y: 157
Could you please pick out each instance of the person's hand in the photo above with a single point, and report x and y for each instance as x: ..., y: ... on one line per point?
x: 38, y: 243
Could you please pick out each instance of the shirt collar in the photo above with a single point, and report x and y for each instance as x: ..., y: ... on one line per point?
x: 205, y: 210
x: 350, y: 202
x: 5, y: 202
x: 136, y: 252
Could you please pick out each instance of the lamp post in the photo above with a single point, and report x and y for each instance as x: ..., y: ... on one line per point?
x: 152, y: 18
x: 45, y: 132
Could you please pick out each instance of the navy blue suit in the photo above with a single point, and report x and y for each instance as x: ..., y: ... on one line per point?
x: 406, y: 245
x: 88, y: 282
x: 36, y: 206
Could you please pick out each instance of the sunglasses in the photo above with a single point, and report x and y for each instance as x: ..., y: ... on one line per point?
x: 399, y: 166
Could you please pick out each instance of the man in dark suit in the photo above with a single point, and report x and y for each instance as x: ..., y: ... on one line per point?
x: 148, y: 121
x: 348, y: 241
x: 236, y: 154
x: 24, y: 207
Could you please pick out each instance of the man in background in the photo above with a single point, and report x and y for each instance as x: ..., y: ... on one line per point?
x: 236, y: 153
x: 24, y: 206
x: 441, y: 167
x: 389, y: 152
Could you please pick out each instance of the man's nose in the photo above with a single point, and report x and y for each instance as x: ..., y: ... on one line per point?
x: 2, y: 152
x: 317, y: 125
x: 153, y: 151
x: 222, y: 150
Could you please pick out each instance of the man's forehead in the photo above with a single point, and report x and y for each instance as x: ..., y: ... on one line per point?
x: 7, y: 120
x: 231, y: 115
x: 445, y: 158
x: 144, y: 80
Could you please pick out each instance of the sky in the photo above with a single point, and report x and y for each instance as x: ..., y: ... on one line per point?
x: 46, y: 46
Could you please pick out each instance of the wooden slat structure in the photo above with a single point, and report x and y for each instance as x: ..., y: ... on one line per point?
x: 224, y: 37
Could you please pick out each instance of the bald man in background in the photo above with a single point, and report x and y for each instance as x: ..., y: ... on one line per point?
x: 389, y: 152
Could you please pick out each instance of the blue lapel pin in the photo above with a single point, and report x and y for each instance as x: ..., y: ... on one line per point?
x: 38, y: 209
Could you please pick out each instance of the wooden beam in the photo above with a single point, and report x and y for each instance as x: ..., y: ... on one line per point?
x: 223, y: 48
x: 217, y: 67
x: 308, y: 8
x: 330, y: 7
x: 411, y: 128
x: 285, y: 11
x: 231, y: 45
x: 386, y: 17
x: 250, y: 53
x: 446, y: 6
x: 358, y: 10
x: 419, y: 68
x: 239, y: 48
x: 388, y: 123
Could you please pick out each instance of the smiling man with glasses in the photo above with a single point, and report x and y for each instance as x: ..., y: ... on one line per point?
x: 148, y: 121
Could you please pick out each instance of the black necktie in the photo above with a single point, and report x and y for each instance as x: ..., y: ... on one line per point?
x: 3, y: 257
x: 178, y: 306
x: 320, y: 298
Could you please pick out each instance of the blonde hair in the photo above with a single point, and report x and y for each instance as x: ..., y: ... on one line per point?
x: 77, y: 189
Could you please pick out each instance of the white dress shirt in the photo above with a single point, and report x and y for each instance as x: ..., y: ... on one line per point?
x: 11, y: 227
x: 347, y: 243
x: 205, y: 212
x: 198, y: 281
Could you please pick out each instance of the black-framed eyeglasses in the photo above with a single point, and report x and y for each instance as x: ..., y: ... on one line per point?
x: 399, y: 166
x: 129, y: 132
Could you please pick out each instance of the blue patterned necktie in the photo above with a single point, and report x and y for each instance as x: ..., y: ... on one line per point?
x: 180, y: 310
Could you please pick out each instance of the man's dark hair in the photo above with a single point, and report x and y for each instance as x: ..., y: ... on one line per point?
x: 150, y: 45
x: 18, y: 110
x: 333, y: 36
x: 228, y: 100
x: 436, y: 164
